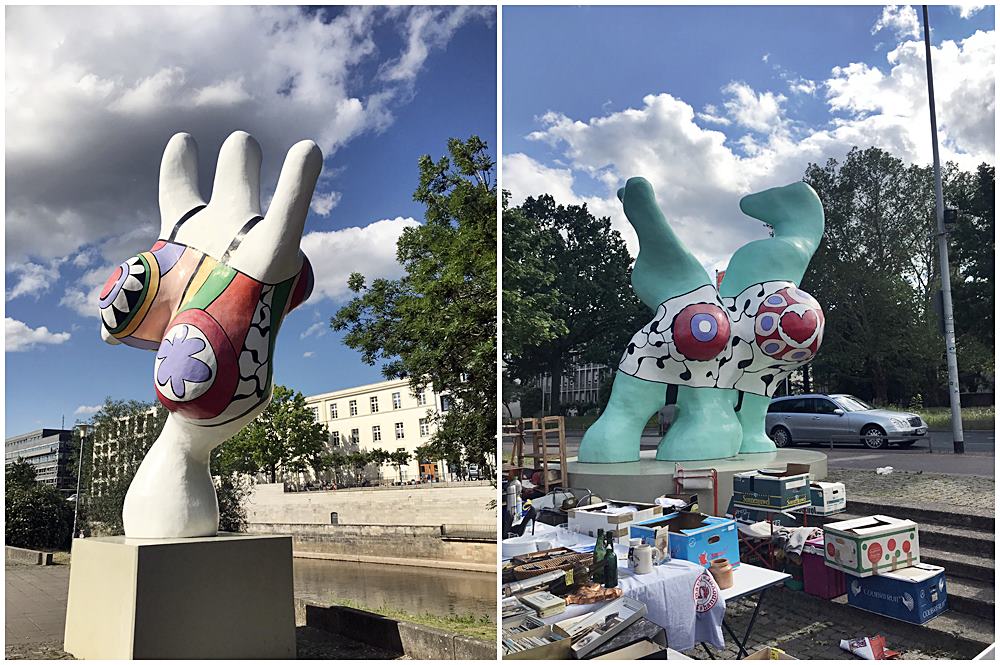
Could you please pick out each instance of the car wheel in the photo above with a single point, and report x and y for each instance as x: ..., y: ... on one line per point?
x: 781, y: 437
x: 874, y: 437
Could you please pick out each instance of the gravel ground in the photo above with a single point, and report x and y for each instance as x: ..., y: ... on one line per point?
x: 911, y: 487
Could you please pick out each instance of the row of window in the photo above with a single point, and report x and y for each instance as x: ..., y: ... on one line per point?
x: 425, y: 430
x: 397, y: 403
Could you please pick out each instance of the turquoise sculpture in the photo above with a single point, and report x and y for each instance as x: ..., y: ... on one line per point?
x: 725, y: 349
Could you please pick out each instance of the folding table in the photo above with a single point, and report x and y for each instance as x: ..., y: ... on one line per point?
x: 748, y: 581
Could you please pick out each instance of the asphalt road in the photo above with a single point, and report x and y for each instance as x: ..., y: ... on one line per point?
x: 935, y: 456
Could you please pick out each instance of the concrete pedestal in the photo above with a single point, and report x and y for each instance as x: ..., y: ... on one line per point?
x: 649, y: 477
x: 228, y: 596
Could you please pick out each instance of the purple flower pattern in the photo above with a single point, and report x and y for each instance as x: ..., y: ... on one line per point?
x: 179, y: 364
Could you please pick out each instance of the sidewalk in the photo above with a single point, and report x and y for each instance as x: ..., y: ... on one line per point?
x: 935, y: 490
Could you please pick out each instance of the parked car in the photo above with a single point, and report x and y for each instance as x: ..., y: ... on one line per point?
x: 840, y: 418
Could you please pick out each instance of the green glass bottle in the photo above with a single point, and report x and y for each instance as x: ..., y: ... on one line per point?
x: 600, y: 551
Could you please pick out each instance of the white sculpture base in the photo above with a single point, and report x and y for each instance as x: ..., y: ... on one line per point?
x: 649, y: 477
x: 226, y: 596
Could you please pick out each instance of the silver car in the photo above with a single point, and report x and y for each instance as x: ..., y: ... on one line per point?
x: 840, y: 419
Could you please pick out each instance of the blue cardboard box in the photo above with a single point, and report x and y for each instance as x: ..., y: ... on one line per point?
x: 692, y: 537
x: 773, y: 489
x: 916, y: 594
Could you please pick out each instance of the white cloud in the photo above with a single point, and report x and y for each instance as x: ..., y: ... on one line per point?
x: 19, y: 337
x: 324, y: 203
x: 710, y: 114
x: 900, y: 20
x: 699, y: 175
x: 759, y: 111
x: 427, y: 28
x: 803, y: 86
x: 81, y: 296
x: 94, y: 93
x: 370, y: 250
x: 318, y: 329
x: 308, y: 354
x: 84, y: 410
x: 968, y: 11
x: 32, y: 279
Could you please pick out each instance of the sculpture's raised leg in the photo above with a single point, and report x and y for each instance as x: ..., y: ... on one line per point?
x: 663, y: 269
x: 796, y: 215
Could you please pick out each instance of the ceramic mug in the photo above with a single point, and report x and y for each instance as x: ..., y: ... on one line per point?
x: 643, y: 559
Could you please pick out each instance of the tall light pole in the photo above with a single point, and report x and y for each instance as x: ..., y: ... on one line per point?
x: 79, y: 476
x: 942, y: 239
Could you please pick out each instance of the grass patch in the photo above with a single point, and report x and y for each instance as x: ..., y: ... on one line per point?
x: 973, y: 417
x: 482, y: 627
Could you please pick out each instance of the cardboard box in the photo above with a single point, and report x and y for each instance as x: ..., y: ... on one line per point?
x: 557, y: 647
x: 754, y: 514
x: 692, y: 537
x: 607, y: 516
x: 769, y: 653
x: 827, y: 498
x: 915, y: 595
x: 605, y: 622
x: 773, y: 489
x: 871, y: 545
x: 819, y: 579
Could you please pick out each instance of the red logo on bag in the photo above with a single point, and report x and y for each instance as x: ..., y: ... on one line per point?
x: 706, y: 593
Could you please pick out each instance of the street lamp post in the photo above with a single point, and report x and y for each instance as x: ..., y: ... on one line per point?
x: 79, y: 476
x: 942, y: 239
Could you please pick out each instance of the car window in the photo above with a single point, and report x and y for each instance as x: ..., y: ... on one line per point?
x: 851, y: 403
x: 791, y: 406
x: 780, y: 406
x: 823, y: 406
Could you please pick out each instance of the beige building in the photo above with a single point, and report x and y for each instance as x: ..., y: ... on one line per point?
x: 384, y: 415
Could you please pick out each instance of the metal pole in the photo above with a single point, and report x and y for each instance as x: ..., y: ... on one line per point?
x: 942, y: 238
x: 79, y: 475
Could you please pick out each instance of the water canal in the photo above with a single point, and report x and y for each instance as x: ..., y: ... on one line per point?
x: 409, y: 588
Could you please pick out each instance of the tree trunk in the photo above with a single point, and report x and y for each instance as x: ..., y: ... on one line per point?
x: 274, y: 473
x: 806, y: 383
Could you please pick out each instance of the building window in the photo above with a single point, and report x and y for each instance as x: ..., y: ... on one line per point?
x: 425, y: 428
x: 422, y: 398
x: 397, y: 401
x: 315, y: 410
x: 376, y: 433
x: 399, y: 430
x: 445, y: 402
x: 352, y: 406
x: 373, y: 400
x: 333, y: 410
x: 355, y: 437
x: 335, y: 438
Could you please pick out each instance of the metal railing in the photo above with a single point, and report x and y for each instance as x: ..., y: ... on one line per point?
x: 887, y: 439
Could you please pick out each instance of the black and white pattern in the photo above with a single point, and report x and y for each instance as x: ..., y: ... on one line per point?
x: 652, y: 354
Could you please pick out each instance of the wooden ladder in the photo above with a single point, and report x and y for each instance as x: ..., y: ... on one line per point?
x: 548, y: 445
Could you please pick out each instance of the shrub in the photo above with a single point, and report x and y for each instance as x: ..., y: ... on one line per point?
x: 37, y: 516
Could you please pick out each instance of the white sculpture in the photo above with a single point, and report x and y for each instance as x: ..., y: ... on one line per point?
x: 209, y: 297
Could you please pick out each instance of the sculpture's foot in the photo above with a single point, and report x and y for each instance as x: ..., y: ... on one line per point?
x: 606, y: 442
x: 172, y: 494
x: 705, y: 427
x: 756, y: 442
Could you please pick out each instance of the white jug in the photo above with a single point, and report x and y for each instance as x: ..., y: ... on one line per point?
x: 643, y: 559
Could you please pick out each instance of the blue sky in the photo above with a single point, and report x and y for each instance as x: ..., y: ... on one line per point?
x: 393, y: 84
x: 712, y: 103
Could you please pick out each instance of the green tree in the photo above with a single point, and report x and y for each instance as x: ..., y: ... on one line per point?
x: 437, y: 324
x: 20, y: 474
x: 284, y: 436
x: 118, y: 438
x: 588, y: 269
x: 399, y: 459
x: 37, y: 516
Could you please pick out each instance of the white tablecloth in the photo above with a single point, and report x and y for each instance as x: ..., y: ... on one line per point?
x: 667, y: 592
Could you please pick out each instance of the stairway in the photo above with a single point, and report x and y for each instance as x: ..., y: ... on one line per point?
x: 960, y: 540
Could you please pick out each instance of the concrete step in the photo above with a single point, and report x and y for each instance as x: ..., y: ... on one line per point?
x: 954, y: 516
x: 971, y: 597
x: 971, y: 567
x: 962, y: 540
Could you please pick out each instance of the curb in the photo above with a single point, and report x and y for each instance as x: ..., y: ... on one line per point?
x: 961, y: 516
x: 22, y: 555
x: 417, y: 563
x: 409, y: 639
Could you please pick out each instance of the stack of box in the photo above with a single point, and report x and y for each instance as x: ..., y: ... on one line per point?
x: 692, y: 537
x: 613, y: 517
x: 880, y: 557
x: 778, y: 490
